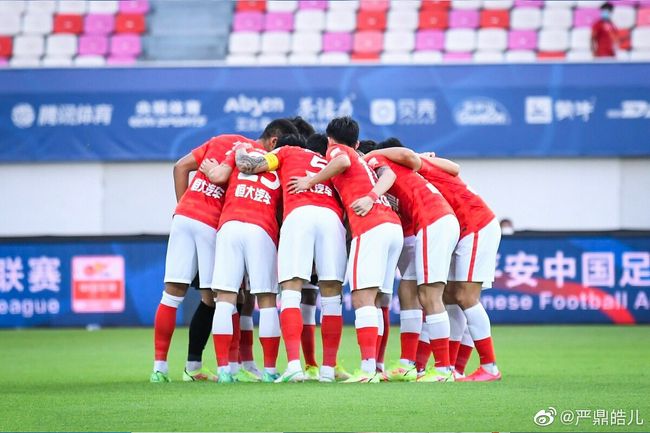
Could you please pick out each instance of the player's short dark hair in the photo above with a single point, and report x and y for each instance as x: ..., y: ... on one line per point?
x: 607, y: 7
x: 304, y: 128
x: 278, y: 128
x: 390, y: 142
x: 366, y: 146
x: 344, y: 130
x: 290, y: 140
x: 317, y: 143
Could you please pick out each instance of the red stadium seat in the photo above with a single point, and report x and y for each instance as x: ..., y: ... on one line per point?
x: 495, y: 18
x: 625, y: 39
x: 428, y: 5
x: 129, y: 23
x: 68, y: 23
x: 6, y: 46
x: 364, y: 57
x: 251, y: 5
x: 433, y: 19
x: 551, y: 55
x: 371, y: 20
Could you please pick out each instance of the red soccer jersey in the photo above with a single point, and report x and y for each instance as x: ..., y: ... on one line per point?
x: 472, y: 212
x: 295, y: 161
x: 354, y: 183
x: 406, y: 216
x: 426, y: 203
x: 203, y: 200
x: 252, y: 198
x: 605, y: 34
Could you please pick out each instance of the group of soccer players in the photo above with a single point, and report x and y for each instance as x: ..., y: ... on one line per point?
x: 281, y: 209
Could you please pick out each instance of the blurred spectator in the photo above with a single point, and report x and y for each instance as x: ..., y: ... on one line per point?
x: 604, y: 35
x: 507, y: 228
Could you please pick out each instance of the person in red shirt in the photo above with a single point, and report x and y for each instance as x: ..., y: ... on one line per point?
x: 473, y: 263
x: 247, y: 245
x: 190, y: 249
x: 376, y: 231
x: 604, y: 35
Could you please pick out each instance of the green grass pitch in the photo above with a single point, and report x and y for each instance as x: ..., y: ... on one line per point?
x: 75, y: 380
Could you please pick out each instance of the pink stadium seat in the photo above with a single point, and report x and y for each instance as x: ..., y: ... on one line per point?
x: 337, y: 41
x: 499, y: 18
x: 120, y: 60
x: 429, y: 40
x: 468, y: 19
x: 126, y: 45
x: 248, y: 22
x: 529, y: 3
x: 455, y: 57
x: 278, y: 21
x: 433, y: 19
x: 643, y: 17
x: 522, y: 40
x: 99, y: 24
x: 3, y: 62
x: 435, y: 5
x: 313, y: 4
x: 134, y: 6
x: 371, y: 20
x: 584, y: 17
x: 93, y: 45
x: 251, y: 5
x: 374, y: 5
x: 368, y: 42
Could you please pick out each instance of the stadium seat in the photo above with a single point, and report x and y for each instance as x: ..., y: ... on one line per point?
x: 90, y: 45
x: 9, y: 24
x: 467, y: 19
x: 399, y: 41
x: 492, y: 40
x: 125, y: 46
x: 641, y: 38
x: 643, y: 17
x: 241, y: 59
x: 306, y: 42
x: 72, y: 7
x: 244, y: 42
x: 276, y: 42
x: 457, y: 57
x: 303, y: 59
x: 551, y: 55
x: 344, y: 6
x: 248, y: 22
x: 120, y: 60
x: 497, y: 4
x: 56, y: 62
x: 579, y: 56
x: 313, y: 4
x: 281, y: 6
x: 371, y: 20
x: 333, y: 58
x: 396, y: 58
x: 340, y: 21
x: 522, y: 40
x: 624, y: 17
x: 435, y: 5
x: 44, y: 6
x: 89, y: 61
x: 528, y: 4
x: 581, y: 39
x: 37, y: 23
x: 129, y: 23
x: 460, y: 40
x: 466, y: 4
x: 433, y: 19
x: 563, y: 4
x: 272, y: 59
x: 68, y: 23
x: 410, y: 5
x: 402, y: 19
x: 640, y: 55
x: 429, y: 40
x: 4, y: 62
x: 367, y: 42
x: 374, y: 5
x: 309, y: 19
x: 134, y: 6
x: 278, y: 21
x: 337, y: 41
x: 556, y: 18
x: 251, y: 5
x: 365, y: 57
x: 520, y: 56
x: 553, y: 40
x: 103, y: 7
x: 13, y: 6
x: 422, y: 57
x: 28, y: 46
x: 6, y: 46
x: 61, y: 45
x: 495, y: 18
x: 488, y: 56
x: 25, y: 62
x: 99, y: 24
x: 526, y: 19
x: 584, y: 17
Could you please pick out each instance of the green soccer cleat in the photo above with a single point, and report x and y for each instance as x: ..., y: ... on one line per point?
x: 311, y: 372
x: 341, y: 373
x: 436, y: 376
x: 398, y: 372
x: 200, y: 375
x: 360, y: 376
x: 270, y: 377
x: 225, y: 377
x: 245, y: 376
x: 293, y: 376
x: 159, y: 377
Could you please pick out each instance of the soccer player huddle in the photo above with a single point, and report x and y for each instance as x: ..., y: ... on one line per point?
x: 281, y: 209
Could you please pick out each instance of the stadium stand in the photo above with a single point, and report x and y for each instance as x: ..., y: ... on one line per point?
x: 94, y: 33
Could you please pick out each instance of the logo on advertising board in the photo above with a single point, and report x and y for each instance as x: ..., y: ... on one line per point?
x: 98, y: 284
x: 252, y: 113
x: 24, y: 115
x: 481, y: 111
x: 630, y: 109
x: 539, y: 110
x: 168, y: 113
x: 320, y: 110
x: 544, y: 110
x: 403, y: 111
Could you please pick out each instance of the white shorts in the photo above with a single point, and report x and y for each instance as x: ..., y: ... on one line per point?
x: 190, y: 247
x: 475, y: 256
x: 434, y: 246
x: 312, y: 235
x: 406, y: 262
x: 245, y: 248
x: 373, y: 258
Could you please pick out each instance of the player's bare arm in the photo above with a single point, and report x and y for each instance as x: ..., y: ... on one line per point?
x: 250, y: 164
x: 400, y: 155
x: 337, y: 165
x: 182, y: 170
x: 444, y: 164
x: 217, y: 173
x: 386, y: 180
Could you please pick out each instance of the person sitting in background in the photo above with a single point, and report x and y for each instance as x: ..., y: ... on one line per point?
x: 604, y: 35
x: 507, y: 228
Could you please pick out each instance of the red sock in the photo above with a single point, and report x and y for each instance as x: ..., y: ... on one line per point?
x: 164, y: 325
x: 367, y: 339
x: 291, y: 327
x: 440, y: 349
x: 422, y: 355
x: 222, y: 348
x: 464, y: 353
x: 485, y: 350
x: 453, y: 351
x: 270, y: 347
x: 409, y: 345
x: 236, y: 337
x: 381, y: 344
x: 331, y: 329
x: 246, y: 345
x: 308, y: 341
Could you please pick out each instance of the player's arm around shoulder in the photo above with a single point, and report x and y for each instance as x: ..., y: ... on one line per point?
x: 182, y: 169
x: 339, y: 162
x: 251, y: 163
x: 216, y: 173
x: 399, y: 155
x: 444, y: 164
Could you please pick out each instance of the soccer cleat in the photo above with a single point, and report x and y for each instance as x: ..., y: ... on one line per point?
x: 291, y: 376
x: 159, y: 377
x: 340, y: 373
x: 269, y: 377
x: 311, y: 372
x: 200, y: 375
x: 245, y: 376
x: 458, y: 375
x: 436, y: 376
x: 360, y: 376
x: 253, y: 370
x: 481, y: 375
x: 225, y: 377
x: 399, y: 372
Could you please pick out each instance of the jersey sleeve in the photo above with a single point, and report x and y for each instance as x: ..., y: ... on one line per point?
x: 377, y: 161
x: 199, y: 152
x: 333, y: 152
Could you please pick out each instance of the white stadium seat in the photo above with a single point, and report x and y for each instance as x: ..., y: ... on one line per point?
x: 12, y: 7
x: 281, y: 6
x: 340, y: 21
x: 554, y: 18
x: 488, y: 57
x: 402, y: 20
x: 426, y: 57
x: 581, y: 38
x: 244, y: 42
x: 460, y: 40
x: 37, y: 23
x: 624, y: 17
x: 25, y: 62
x: 72, y: 6
x: 345, y: 6
x: 396, y: 58
x: 560, y: 4
x: 526, y: 19
x: 306, y: 42
x: 276, y: 42
x: 303, y: 59
x: 89, y: 61
x: 497, y: 4
x: 10, y: 23
x: 413, y: 5
x: 492, y: 39
x: 466, y: 4
x: 45, y: 6
x: 272, y: 59
x: 103, y: 7
x: 56, y: 62
x: 640, y: 55
x: 579, y: 56
x: 553, y: 40
x: 641, y: 38
x: 241, y: 59
x: 61, y: 45
x: 28, y: 46
x: 623, y: 56
x: 334, y: 58
x: 399, y: 41
x: 595, y: 4
x: 520, y: 56
x: 310, y: 20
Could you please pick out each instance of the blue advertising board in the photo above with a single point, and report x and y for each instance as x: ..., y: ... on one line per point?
x: 564, y: 278
x: 127, y: 114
